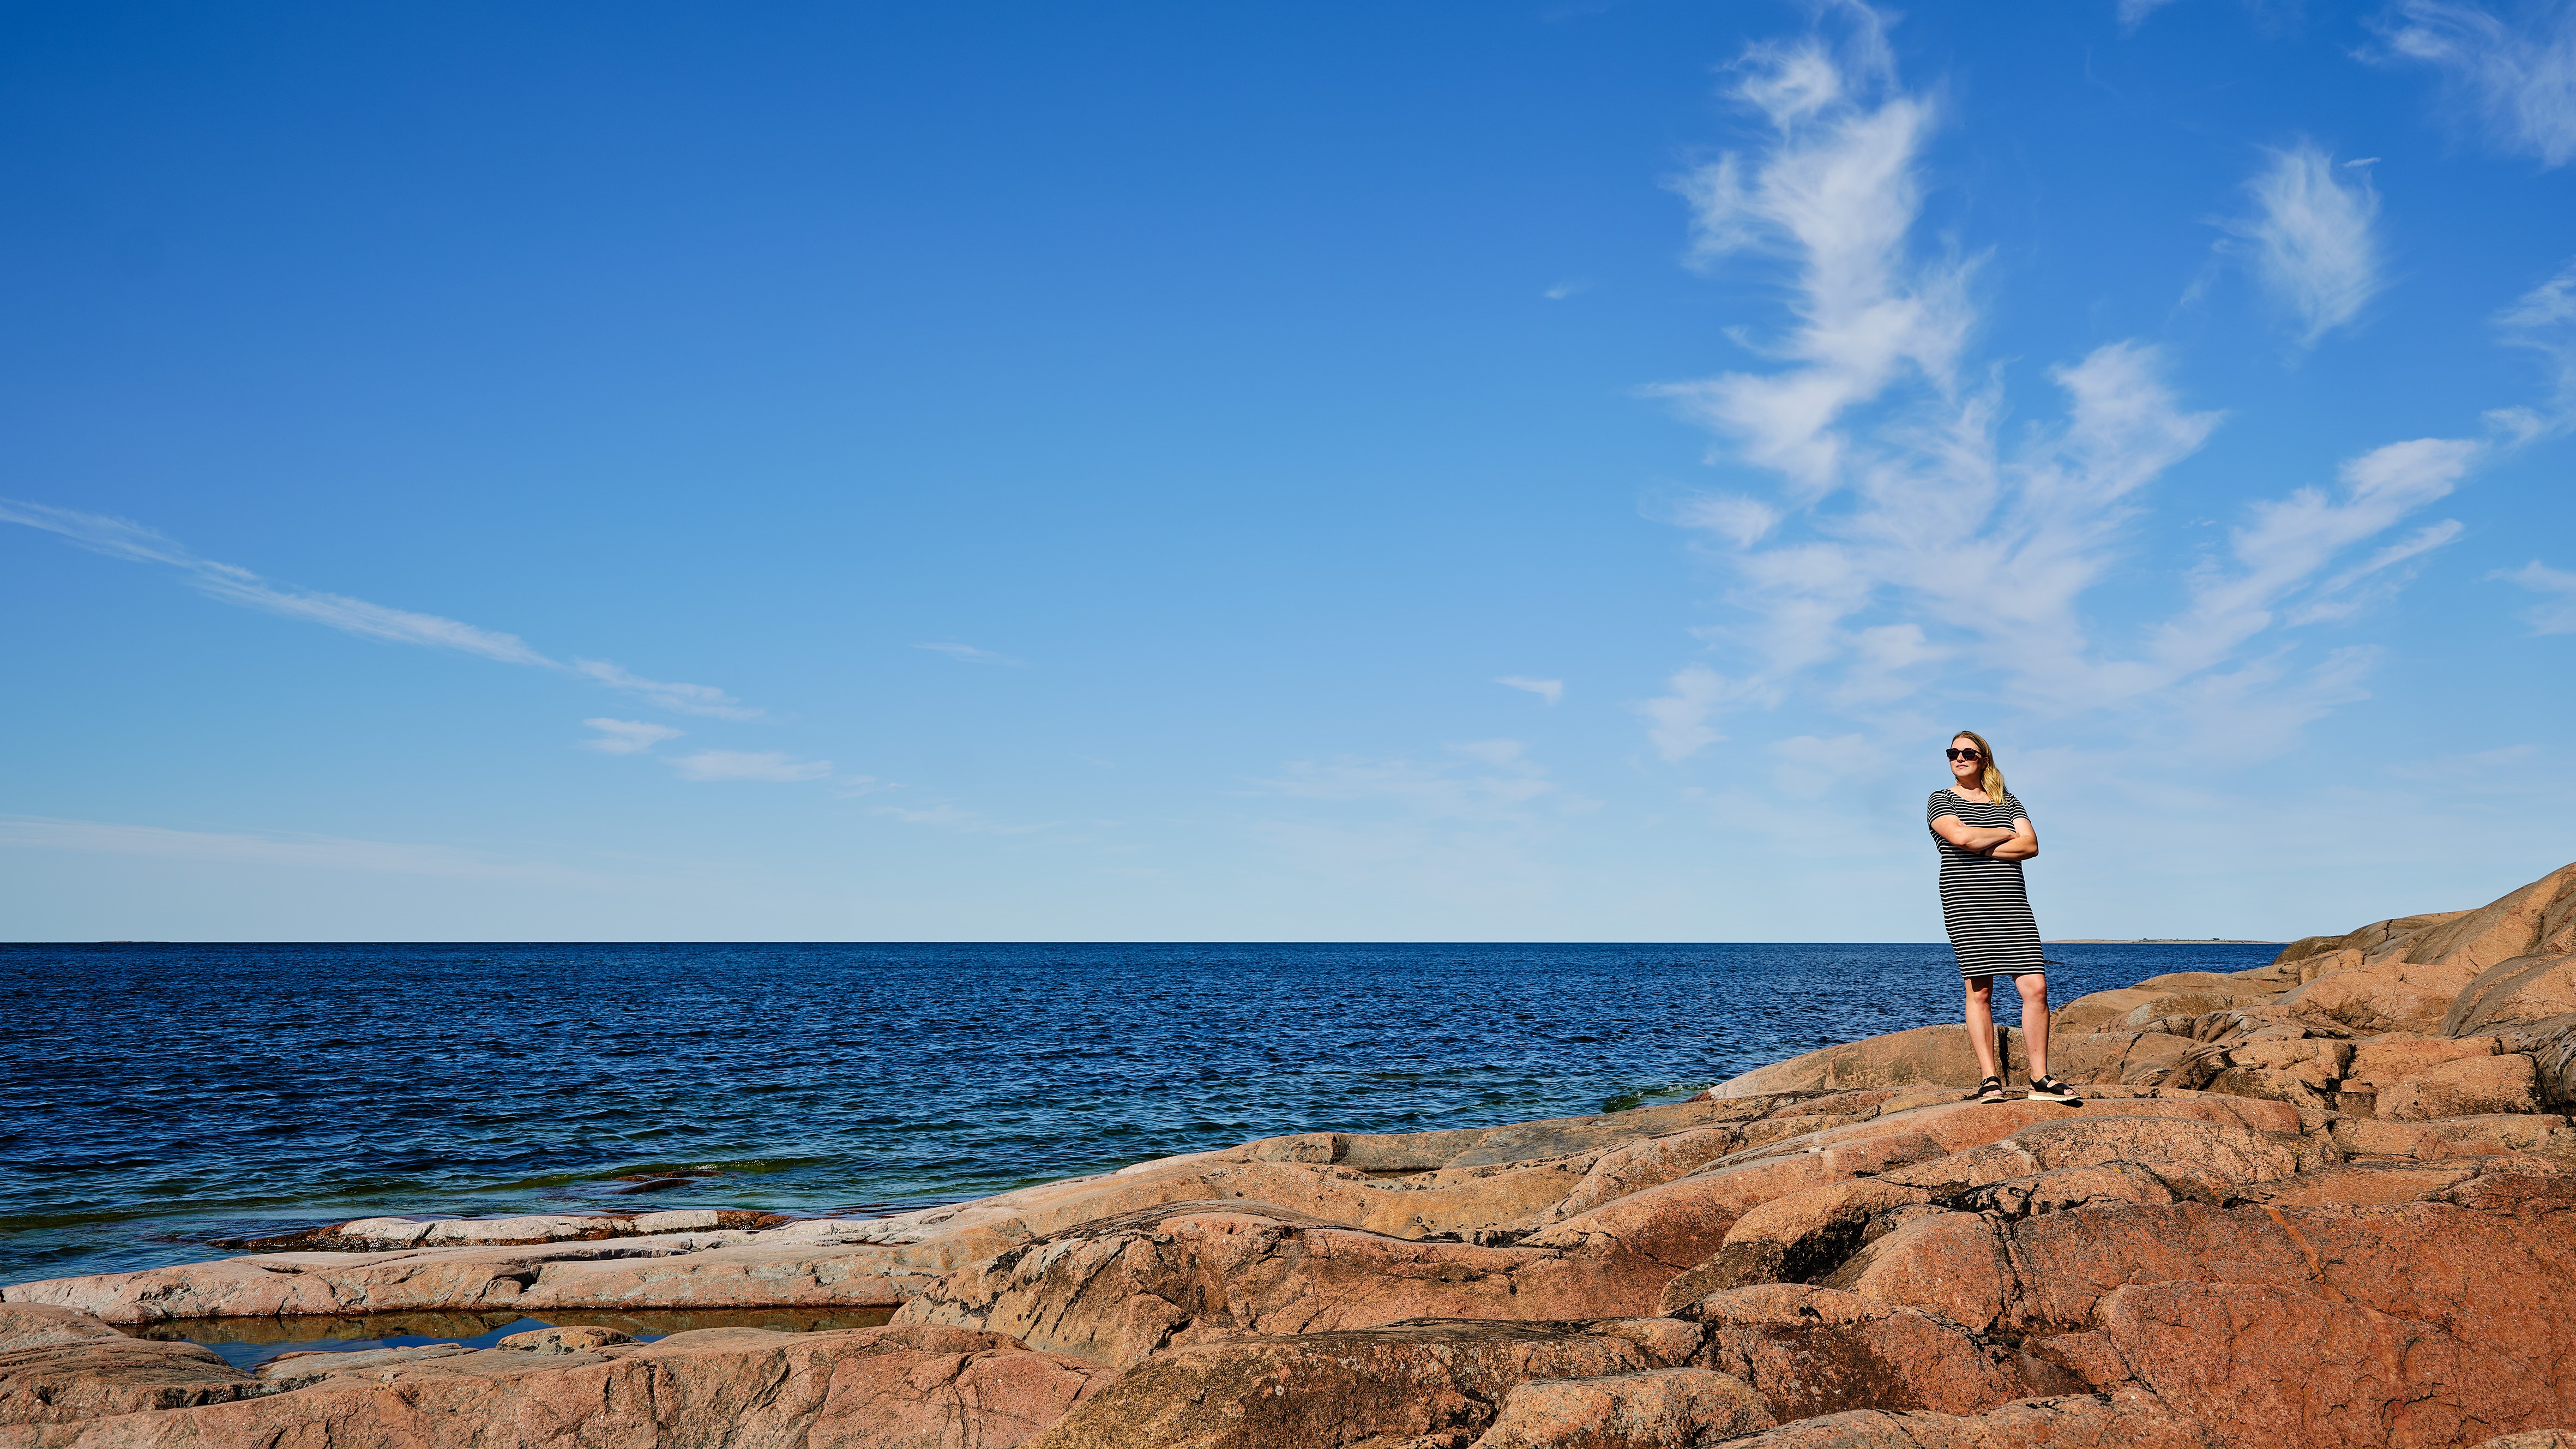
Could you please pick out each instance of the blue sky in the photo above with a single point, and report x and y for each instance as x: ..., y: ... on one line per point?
x: 1449, y: 472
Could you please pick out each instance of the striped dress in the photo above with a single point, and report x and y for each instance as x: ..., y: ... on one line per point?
x: 1982, y: 901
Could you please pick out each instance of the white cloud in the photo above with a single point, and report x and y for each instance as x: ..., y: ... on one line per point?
x: 968, y: 654
x: 626, y: 736
x: 270, y: 848
x: 1836, y: 191
x: 2556, y: 611
x: 2289, y: 540
x: 770, y: 766
x: 2515, y: 77
x: 703, y: 699
x: 1917, y: 551
x: 2544, y: 321
x: 1563, y: 290
x: 1678, y: 722
x: 126, y: 539
x: 1550, y: 690
x: 2311, y: 239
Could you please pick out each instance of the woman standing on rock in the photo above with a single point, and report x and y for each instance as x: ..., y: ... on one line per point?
x: 1984, y: 836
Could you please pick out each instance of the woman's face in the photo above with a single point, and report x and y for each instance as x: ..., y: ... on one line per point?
x: 1967, y: 761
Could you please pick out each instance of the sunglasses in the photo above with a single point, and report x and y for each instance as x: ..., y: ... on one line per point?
x: 1963, y: 754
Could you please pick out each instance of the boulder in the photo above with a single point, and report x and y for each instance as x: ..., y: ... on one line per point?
x: 1676, y: 1408
x: 2467, y: 1087
x: 1382, y: 1386
x: 878, y: 1388
x: 2524, y: 988
x: 1117, y: 1291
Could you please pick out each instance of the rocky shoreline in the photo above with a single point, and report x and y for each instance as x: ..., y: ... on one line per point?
x: 2329, y: 1201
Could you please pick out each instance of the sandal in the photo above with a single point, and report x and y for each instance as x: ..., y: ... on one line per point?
x: 2050, y: 1089
x: 1991, y: 1090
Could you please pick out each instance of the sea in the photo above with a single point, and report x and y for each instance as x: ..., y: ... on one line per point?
x: 163, y: 1099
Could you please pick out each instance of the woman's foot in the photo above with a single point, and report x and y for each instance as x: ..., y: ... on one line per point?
x: 1991, y: 1090
x: 2050, y: 1089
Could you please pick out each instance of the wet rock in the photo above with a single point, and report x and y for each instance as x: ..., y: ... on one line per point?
x: 880, y: 1388
x: 1378, y: 1386
x: 1678, y: 1408
x: 2468, y: 1087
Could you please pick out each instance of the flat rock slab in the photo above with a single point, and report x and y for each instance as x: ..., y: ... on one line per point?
x: 878, y: 1388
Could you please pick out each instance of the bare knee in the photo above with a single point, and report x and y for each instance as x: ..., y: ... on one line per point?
x: 1981, y: 991
x: 2033, y: 988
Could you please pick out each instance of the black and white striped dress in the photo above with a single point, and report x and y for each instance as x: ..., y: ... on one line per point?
x: 1982, y: 900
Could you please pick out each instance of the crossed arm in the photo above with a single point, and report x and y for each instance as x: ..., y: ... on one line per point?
x: 2018, y: 843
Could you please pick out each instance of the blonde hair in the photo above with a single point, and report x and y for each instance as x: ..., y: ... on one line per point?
x: 1993, y: 783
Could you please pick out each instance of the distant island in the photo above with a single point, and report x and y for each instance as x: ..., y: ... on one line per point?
x: 2156, y: 941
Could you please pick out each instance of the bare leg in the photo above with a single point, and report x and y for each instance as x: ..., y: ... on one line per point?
x: 1981, y: 1024
x: 2034, y: 1021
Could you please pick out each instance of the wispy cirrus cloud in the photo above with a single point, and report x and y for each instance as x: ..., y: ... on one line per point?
x: 627, y: 736
x: 2312, y: 239
x: 703, y: 699
x: 125, y: 539
x: 2511, y: 76
x: 2555, y: 613
x: 2543, y: 320
x: 774, y: 767
x: 1551, y: 690
x: 969, y: 654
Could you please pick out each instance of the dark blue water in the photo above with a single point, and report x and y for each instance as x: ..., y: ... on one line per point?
x: 161, y: 1097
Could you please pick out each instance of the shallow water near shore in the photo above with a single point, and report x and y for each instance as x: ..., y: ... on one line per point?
x: 246, y: 1343
x: 167, y: 1098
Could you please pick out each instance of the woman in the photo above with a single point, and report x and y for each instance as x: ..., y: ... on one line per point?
x: 1984, y: 836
